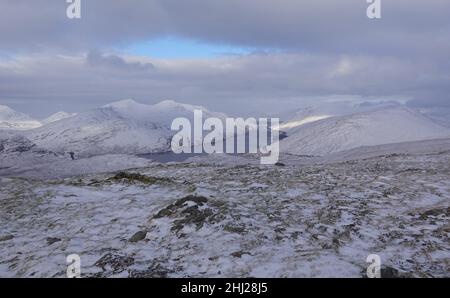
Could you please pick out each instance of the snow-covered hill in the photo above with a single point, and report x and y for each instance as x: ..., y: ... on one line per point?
x: 386, y: 125
x: 123, y: 127
x: 11, y: 119
x: 323, y: 110
x: 57, y: 116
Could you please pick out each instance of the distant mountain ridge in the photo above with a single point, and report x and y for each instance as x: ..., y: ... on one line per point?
x: 384, y: 125
x: 129, y: 127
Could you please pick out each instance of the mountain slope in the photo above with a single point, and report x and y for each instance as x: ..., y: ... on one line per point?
x: 325, y: 110
x: 57, y: 116
x: 123, y: 127
x: 392, y: 124
x: 11, y: 119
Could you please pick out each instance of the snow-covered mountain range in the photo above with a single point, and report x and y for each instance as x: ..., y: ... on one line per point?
x: 123, y: 127
x: 129, y: 127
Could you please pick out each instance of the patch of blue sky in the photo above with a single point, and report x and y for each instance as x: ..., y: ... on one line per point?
x: 173, y: 48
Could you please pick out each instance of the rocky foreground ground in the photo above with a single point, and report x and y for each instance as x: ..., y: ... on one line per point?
x: 209, y: 220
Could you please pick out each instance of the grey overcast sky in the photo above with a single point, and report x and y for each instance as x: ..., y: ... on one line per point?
x: 236, y: 56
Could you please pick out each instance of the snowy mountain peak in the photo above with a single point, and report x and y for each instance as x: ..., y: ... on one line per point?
x: 11, y: 119
x: 123, y: 104
x: 5, y: 109
x: 174, y: 105
x: 131, y: 109
x: 130, y: 105
x: 171, y: 104
x: 8, y: 114
x: 168, y: 103
x: 164, y: 111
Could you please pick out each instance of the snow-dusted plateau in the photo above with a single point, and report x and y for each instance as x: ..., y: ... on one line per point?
x: 370, y: 180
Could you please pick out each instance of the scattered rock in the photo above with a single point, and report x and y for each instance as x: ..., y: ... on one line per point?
x: 390, y: 272
x: 239, y: 254
x: 138, y: 236
x: 164, y: 212
x: 278, y: 238
x: 192, y: 188
x: 51, y: 240
x: 189, y: 210
x: 136, y: 177
x: 70, y: 196
x: 192, y: 216
x: 117, y: 263
x: 435, y: 212
x: 6, y: 238
x: 156, y: 270
x: 169, y: 210
x: 234, y: 229
x: 199, y: 200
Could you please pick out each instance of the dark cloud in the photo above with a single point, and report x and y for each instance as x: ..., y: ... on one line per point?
x: 96, y: 59
x: 407, y: 26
